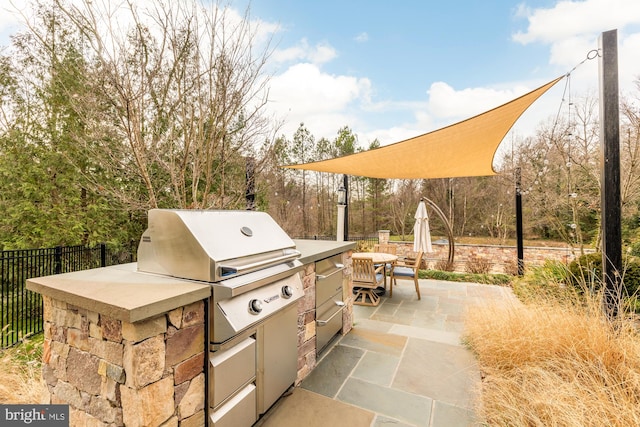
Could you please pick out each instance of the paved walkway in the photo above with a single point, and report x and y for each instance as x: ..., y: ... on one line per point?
x: 403, y: 364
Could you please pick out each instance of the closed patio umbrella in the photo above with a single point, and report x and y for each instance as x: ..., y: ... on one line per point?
x: 421, y: 232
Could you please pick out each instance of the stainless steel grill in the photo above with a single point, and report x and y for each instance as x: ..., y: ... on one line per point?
x: 253, y: 268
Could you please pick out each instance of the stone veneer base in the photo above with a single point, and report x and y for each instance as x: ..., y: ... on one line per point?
x: 307, y: 350
x: 115, y: 373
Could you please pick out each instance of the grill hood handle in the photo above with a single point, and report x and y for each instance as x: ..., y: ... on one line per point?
x: 228, y: 270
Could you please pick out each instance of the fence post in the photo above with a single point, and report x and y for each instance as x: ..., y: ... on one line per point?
x: 57, y: 260
x: 2, y: 257
x: 103, y: 255
x: 133, y: 250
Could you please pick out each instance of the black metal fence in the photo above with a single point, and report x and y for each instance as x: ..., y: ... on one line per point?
x: 21, y: 310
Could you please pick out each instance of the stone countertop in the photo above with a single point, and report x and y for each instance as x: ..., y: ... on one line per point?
x: 126, y: 294
x: 315, y: 250
x: 121, y: 291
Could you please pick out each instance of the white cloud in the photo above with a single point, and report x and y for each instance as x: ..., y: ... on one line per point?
x: 11, y: 19
x: 325, y: 102
x: 446, y: 102
x: 304, y: 93
x: 322, y: 53
x: 446, y: 106
x: 362, y: 37
x: 321, y: 125
x: 629, y: 60
x: 319, y: 54
x: 572, y: 29
x: 8, y: 15
x: 569, y: 19
x: 113, y: 18
x: 389, y: 135
x: 304, y: 87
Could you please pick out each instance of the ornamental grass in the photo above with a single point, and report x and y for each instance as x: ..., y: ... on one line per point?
x: 556, y: 360
x: 20, y: 370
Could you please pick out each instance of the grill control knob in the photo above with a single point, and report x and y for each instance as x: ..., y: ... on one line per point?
x: 255, y: 306
x: 287, y: 292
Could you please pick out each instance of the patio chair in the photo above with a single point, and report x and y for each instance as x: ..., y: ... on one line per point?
x: 366, y: 278
x: 408, y: 270
x: 387, y: 249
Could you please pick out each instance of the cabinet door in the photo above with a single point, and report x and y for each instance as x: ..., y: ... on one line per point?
x: 278, y: 361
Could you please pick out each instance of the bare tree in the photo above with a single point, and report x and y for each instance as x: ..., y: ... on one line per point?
x: 403, y: 204
x: 630, y: 153
x: 175, y: 99
x: 560, y: 181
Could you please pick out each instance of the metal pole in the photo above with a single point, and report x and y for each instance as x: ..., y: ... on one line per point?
x: 57, y: 260
x: 610, y: 172
x: 103, y: 255
x: 345, y: 182
x: 250, y: 182
x: 519, y: 240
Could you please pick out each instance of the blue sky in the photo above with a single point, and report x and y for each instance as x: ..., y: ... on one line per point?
x: 410, y: 43
x: 394, y: 70
x: 414, y: 66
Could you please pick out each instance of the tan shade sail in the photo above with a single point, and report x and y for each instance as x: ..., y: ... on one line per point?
x: 466, y: 148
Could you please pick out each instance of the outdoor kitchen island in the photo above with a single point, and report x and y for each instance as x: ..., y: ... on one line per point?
x: 124, y: 347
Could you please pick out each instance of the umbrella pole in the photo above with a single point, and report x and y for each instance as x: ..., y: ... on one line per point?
x: 447, y: 226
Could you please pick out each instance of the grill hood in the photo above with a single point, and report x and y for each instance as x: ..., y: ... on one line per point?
x: 210, y: 245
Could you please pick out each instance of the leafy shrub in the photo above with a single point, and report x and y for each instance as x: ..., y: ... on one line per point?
x: 363, y: 246
x: 548, y: 281
x: 586, y: 273
x: 631, y: 278
x: 634, y: 249
x: 552, y: 271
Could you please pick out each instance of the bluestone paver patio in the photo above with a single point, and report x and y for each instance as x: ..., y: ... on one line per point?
x: 403, y: 364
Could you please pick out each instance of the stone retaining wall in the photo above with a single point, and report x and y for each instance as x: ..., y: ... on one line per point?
x: 115, y: 373
x: 501, y: 258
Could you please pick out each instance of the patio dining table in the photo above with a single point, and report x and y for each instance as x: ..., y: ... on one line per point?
x: 377, y: 257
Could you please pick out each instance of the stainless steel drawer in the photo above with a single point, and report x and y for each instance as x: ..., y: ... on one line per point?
x: 231, y: 369
x: 328, y: 320
x: 240, y: 411
x: 328, y: 278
